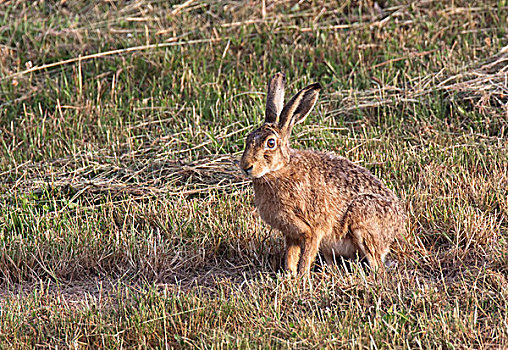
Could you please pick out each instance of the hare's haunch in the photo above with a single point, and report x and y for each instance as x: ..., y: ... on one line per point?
x: 319, y: 201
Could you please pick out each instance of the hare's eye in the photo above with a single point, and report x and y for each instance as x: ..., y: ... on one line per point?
x: 270, y: 143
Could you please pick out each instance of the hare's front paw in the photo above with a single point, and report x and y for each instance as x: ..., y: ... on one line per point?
x: 293, y: 250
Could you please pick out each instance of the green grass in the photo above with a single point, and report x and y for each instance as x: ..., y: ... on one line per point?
x: 125, y: 222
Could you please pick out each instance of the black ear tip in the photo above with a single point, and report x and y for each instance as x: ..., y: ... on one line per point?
x: 315, y: 86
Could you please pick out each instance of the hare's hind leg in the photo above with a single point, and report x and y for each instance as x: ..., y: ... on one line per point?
x: 372, y: 222
x: 368, y: 248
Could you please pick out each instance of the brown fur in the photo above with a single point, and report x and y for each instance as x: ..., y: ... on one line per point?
x: 317, y: 200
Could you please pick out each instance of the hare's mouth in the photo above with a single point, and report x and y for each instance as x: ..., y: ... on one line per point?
x: 248, y: 171
x: 255, y: 173
x: 261, y: 174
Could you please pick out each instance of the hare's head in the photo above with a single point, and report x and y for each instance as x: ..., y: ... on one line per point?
x: 267, y: 148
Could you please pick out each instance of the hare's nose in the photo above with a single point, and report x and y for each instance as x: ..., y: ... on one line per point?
x: 248, y: 170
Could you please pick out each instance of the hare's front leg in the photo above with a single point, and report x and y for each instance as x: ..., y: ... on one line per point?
x: 310, y: 249
x: 293, y: 250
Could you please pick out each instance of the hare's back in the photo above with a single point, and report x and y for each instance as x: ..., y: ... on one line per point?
x: 328, y: 170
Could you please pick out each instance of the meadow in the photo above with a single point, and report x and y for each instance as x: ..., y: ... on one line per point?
x: 125, y: 221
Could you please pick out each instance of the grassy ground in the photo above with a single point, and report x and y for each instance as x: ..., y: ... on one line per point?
x: 124, y: 221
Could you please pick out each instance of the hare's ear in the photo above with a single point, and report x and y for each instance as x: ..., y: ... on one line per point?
x: 297, y: 109
x: 275, y: 98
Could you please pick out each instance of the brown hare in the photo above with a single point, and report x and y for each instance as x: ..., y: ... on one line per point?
x: 319, y: 201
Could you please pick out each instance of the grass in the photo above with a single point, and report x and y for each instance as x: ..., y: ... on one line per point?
x: 124, y: 221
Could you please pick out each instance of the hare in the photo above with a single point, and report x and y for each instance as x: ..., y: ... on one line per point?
x: 319, y: 201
